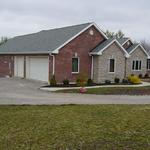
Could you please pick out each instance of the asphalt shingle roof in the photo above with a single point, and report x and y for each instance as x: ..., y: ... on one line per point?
x: 132, y: 47
x: 102, y: 45
x: 107, y: 42
x: 122, y: 40
x: 43, y: 41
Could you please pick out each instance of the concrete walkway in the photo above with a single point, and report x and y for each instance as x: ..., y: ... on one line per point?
x: 53, y: 89
x: 21, y: 92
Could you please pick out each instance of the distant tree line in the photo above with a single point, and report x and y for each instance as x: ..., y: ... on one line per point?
x: 118, y: 34
x: 145, y: 44
x: 3, y: 40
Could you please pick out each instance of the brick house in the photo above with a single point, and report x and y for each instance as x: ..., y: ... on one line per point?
x: 70, y: 51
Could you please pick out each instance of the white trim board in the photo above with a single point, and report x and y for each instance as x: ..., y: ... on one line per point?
x: 20, y: 53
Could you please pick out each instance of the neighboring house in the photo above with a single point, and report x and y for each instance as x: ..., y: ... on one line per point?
x: 148, y: 62
x: 70, y: 51
x: 137, y: 62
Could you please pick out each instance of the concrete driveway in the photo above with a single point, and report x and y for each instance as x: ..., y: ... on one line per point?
x: 20, y: 91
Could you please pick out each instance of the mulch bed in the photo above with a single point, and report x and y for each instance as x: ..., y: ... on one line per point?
x: 94, y: 84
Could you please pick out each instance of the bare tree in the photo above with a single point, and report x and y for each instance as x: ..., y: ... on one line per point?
x: 118, y: 34
x: 146, y: 45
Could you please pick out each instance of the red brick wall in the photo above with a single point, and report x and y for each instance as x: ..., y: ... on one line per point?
x: 6, y: 65
x: 81, y: 45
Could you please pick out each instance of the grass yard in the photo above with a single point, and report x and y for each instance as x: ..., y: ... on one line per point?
x: 113, y: 91
x: 75, y: 127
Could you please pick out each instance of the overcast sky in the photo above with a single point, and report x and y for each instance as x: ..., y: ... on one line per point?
x: 19, y: 17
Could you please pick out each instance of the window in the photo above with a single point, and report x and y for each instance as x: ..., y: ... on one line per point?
x: 75, y: 65
x: 111, y: 65
x: 136, y: 65
x: 148, y: 64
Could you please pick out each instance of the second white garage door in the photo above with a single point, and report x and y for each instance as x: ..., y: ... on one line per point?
x: 37, y: 68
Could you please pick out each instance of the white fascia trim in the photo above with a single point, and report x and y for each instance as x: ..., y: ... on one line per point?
x: 144, y: 51
x: 139, y: 45
x: 97, y: 27
x: 20, y: 53
x: 56, y: 51
x: 93, y: 53
x: 127, y: 41
x: 100, y: 53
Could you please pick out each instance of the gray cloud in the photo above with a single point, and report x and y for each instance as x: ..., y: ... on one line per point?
x: 26, y: 16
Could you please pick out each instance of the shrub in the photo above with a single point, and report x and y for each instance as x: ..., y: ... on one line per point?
x: 53, y: 81
x: 65, y: 82
x: 81, y: 80
x: 134, y: 79
x: 125, y: 81
x: 140, y: 76
x: 146, y: 75
x: 116, y: 80
x: 89, y: 82
x: 107, y: 82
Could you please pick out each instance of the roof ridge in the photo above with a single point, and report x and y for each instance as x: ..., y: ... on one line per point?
x: 68, y: 26
x: 52, y: 29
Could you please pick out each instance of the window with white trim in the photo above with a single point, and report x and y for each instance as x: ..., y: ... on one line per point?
x: 111, y: 65
x: 75, y: 65
x: 136, y: 65
x: 148, y: 64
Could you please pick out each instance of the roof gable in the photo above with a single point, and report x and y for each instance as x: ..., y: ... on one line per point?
x: 104, y: 45
x: 124, y: 40
x: 131, y: 49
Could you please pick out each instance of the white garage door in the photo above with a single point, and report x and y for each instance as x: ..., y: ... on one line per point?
x: 19, y: 66
x: 37, y: 68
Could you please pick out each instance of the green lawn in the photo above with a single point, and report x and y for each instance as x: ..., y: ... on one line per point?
x: 75, y: 127
x: 113, y: 91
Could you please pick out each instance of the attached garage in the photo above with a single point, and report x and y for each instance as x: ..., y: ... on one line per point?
x: 19, y: 66
x: 37, y: 68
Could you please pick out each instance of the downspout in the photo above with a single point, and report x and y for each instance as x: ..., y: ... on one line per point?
x: 24, y: 66
x: 53, y: 56
x: 125, y: 70
x: 92, y: 69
